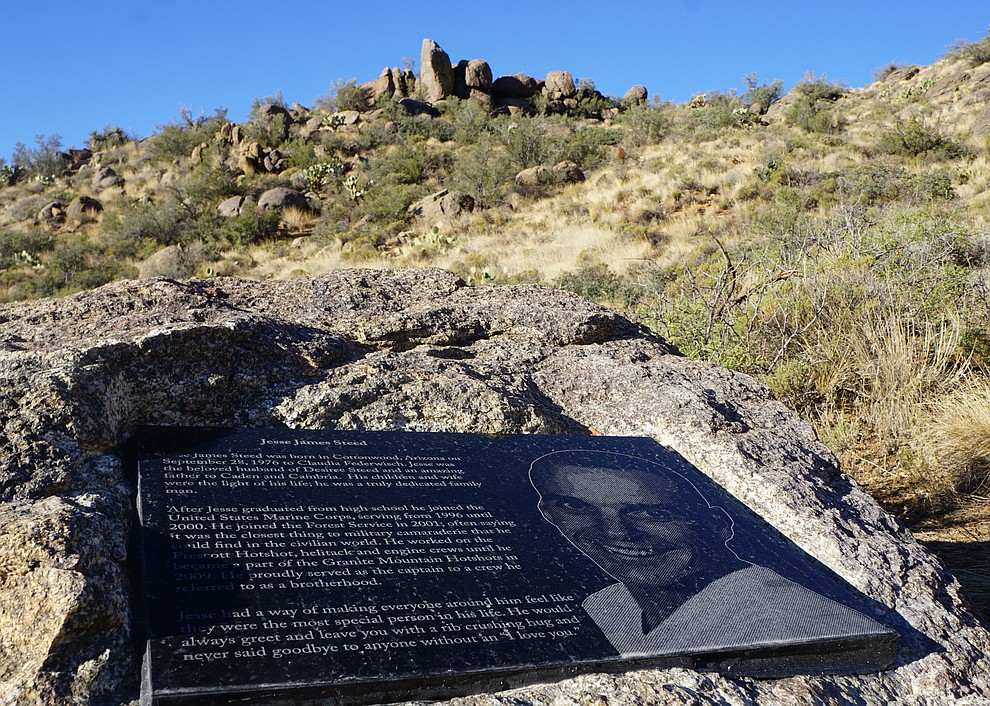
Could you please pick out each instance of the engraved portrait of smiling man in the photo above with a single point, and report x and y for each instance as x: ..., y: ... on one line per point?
x: 680, y: 586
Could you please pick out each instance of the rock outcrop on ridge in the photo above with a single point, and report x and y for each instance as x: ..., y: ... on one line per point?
x: 416, y: 350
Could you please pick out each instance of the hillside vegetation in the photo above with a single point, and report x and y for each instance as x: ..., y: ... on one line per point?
x: 832, y: 242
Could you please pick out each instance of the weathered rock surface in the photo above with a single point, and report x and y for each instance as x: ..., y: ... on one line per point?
x: 559, y: 85
x: 560, y: 173
x: 636, y: 95
x: 443, y: 204
x: 436, y: 75
x: 473, y: 80
x: 417, y: 350
x: 83, y: 208
x: 516, y: 86
x: 231, y: 207
x: 415, y: 107
x: 281, y: 197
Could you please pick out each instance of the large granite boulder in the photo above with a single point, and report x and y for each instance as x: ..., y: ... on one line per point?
x: 473, y: 79
x: 516, y: 86
x: 559, y: 85
x: 436, y: 75
x: 417, y: 350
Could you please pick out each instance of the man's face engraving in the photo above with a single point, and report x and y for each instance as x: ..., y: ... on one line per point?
x: 633, y: 524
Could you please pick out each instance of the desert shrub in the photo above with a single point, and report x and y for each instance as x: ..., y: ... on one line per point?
x: 914, y: 137
x: 167, y: 223
x: 268, y: 128
x: 19, y: 247
x: 44, y: 161
x: 597, y: 282
x: 471, y: 120
x: 886, y: 70
x: 813, y: 108
x: 529, y: 142
x: 178, y: 139
x: 76, y: 263
x: 484, y: 171
x: 590, y: 102
x: 300, y: 153
x: 345, y: 95
x: 107, y: 138
x: 957, y: 438
x: 779, y: 219
x: 976, y: 53
x: 252, y: 226
x: 880, y: 181
x: 210, y: 182
x: 721, y: 111
x: 762, y: 94
x: 647, y: 124
x: 587, y: 146
x: 427, y: 128
x: 386, y: 203
x: 410, y: 162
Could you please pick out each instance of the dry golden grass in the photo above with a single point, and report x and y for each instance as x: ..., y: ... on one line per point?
x: 957, y: 438
x: 298, y: 220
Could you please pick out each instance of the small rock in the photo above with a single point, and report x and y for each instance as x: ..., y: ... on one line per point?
x: 83, y: 209
x: 171, y: 261
x: 231, y: 207
x: 51, y: 214
x: 415, y: 107
x: 511, y: 106
x: 442, y: 204
x: 281, y: 197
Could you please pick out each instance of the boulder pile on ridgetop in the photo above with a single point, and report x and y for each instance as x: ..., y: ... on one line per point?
x: 471, y: 79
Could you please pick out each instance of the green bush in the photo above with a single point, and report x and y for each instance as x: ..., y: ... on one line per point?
x: 595, y: 281
x: 210, y: 182
x: 176, y: 140
x: 721, y: 111
x: 107, y: 138
x: 345, y: 95
x: 19, y: 247
x: 914, y: 137
x: 880, y: 182
x: 762, y: 94
x: 977, y: 53
x: 45, y: 161
x: 471, y: 120
x: 167, y: 223
x: 483, y: 170
x: 813, y: 108
x: 252, y: 226
x: 647, y: 124
x: 533, y: 141
x: 269, y: 128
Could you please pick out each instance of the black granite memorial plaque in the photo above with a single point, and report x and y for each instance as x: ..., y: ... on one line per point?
x: 299, y: 567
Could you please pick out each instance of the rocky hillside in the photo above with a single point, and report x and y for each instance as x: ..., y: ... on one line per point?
x: 831, y: 241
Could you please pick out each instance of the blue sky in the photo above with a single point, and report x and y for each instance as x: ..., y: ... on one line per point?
x: 71, y: 67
